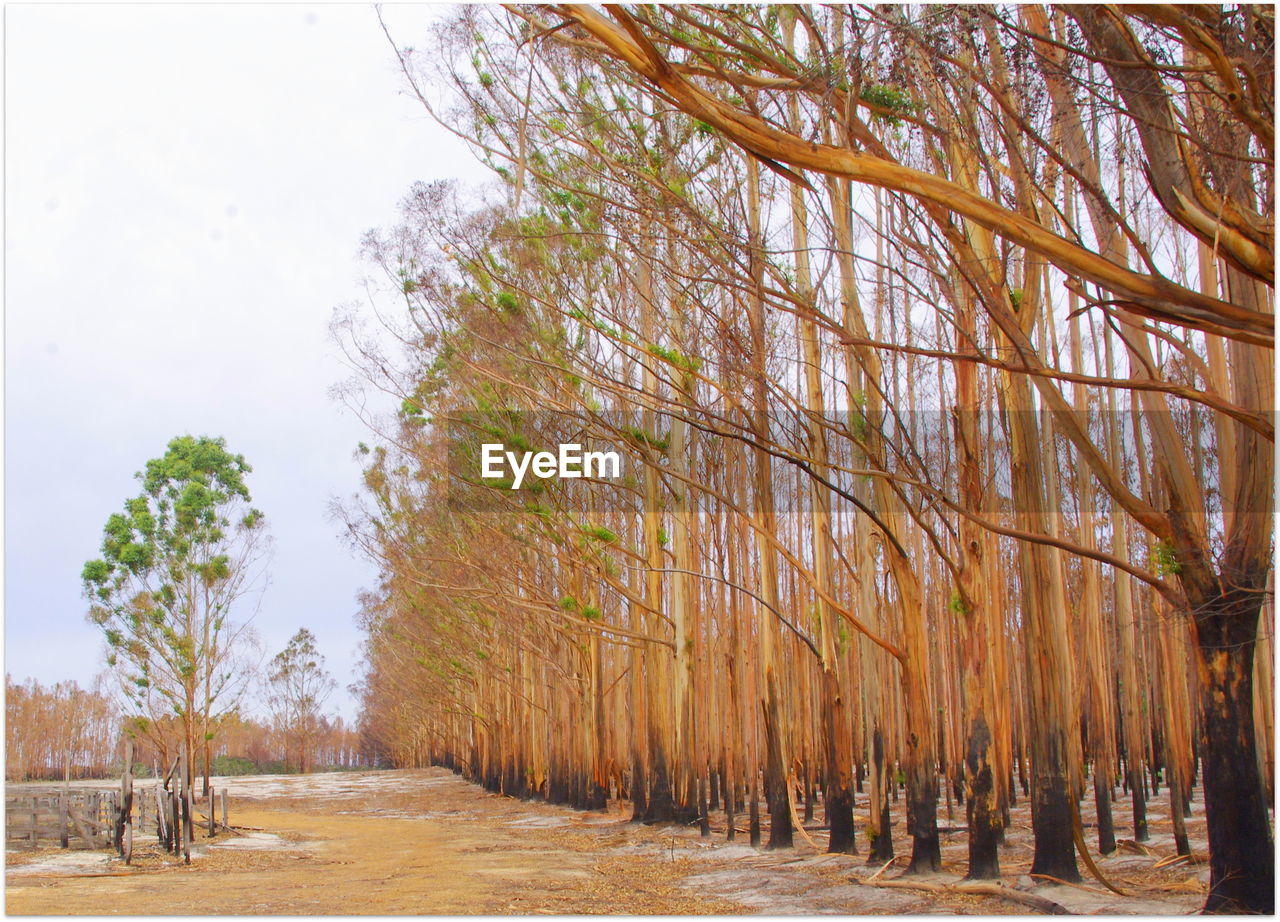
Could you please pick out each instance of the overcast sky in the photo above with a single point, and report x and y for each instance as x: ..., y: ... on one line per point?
x: 186, y: 187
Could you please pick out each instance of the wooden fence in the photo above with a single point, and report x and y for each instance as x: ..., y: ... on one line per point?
x: 71, y: 818
x: 88, y: 818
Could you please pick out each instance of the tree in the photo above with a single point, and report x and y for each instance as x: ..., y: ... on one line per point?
x: 174, y: 565
x: 948, y: 312
x: 1194, y: 86
x: 299, y: 685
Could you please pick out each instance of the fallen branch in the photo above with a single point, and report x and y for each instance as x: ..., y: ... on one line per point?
x: 976, y: 888
x: 1043, y: 904
x: 1067, y: 883
x: 1135, y: 848
x: 203, y: 821
x: 1078, y: 834
x: 795, y: 817
x: 882, y: 869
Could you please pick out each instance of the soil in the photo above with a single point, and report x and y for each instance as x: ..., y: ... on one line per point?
x: 424, y: 842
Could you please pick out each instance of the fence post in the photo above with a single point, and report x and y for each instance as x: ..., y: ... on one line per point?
x: 63, y: 837
x: 162, y: 835
x: 184, y: 780
x: 175, y: 823
x: 124, y: 828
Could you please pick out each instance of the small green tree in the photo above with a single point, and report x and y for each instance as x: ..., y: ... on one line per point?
x: 298, y: 687
x: 174, y: 563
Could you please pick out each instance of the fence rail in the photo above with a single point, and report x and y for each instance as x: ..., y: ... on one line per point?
x: 69, y: 818
x: 96, y: 818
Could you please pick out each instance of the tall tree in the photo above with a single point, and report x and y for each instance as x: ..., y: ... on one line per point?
x: 175, y: 564
x: 1209, y: 167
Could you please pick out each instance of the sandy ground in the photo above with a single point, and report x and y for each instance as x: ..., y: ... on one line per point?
x: 424, y: 842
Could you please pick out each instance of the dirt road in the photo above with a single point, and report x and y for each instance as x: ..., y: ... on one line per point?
x: 424, y: 842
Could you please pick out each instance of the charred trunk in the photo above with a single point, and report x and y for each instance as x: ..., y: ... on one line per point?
x: 775, y: 775
x: 1102, y: 802
x: 922, y: 808
x: 981, y: 808
x: 882, y: 836
x: 1241, y: 850
x: 837, y: 780
x: 1051, y: 814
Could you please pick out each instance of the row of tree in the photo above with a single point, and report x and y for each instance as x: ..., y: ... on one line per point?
x: 248, y: 746
x: 64, y: 732
x: 60, y: 731
x: 938, y: 341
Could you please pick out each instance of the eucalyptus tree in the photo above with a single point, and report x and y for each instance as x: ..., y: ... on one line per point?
x: 1187, y: 93
x: 297, y: 687
x: 178, y: 564
x: 638, y: 279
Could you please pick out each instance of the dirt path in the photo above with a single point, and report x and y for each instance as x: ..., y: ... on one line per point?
x: 424, y: 842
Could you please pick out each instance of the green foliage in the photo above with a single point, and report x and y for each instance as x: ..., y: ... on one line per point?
x: 646, y: 440
x: 410, y: 412
x: 1165, y: 560
x: 673, y: 357
x: 569, y: 603
x: 591, y: 613
x: 663, y: 538
x: 600, y: 533
x: 595, y: 324
x: 892, y: 98
x: 232, y: 765
x: 957, y: 605
x: 508, y: 303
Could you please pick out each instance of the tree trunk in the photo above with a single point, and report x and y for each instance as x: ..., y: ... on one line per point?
x: 837, y: 782
x: 1241, y: 850
x: 981, y: 807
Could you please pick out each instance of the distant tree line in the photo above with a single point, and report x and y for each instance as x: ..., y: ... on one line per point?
x: 59, y: 731
x: 245, y: 746
x: 63, y: 731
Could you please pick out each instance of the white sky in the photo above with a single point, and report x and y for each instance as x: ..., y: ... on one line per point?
x: 186, y: 187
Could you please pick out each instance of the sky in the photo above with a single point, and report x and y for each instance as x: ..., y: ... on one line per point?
x: 185, y: 192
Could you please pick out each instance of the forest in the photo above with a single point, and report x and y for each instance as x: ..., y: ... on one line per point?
x: 64, y: 732
x: 938, y: 343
